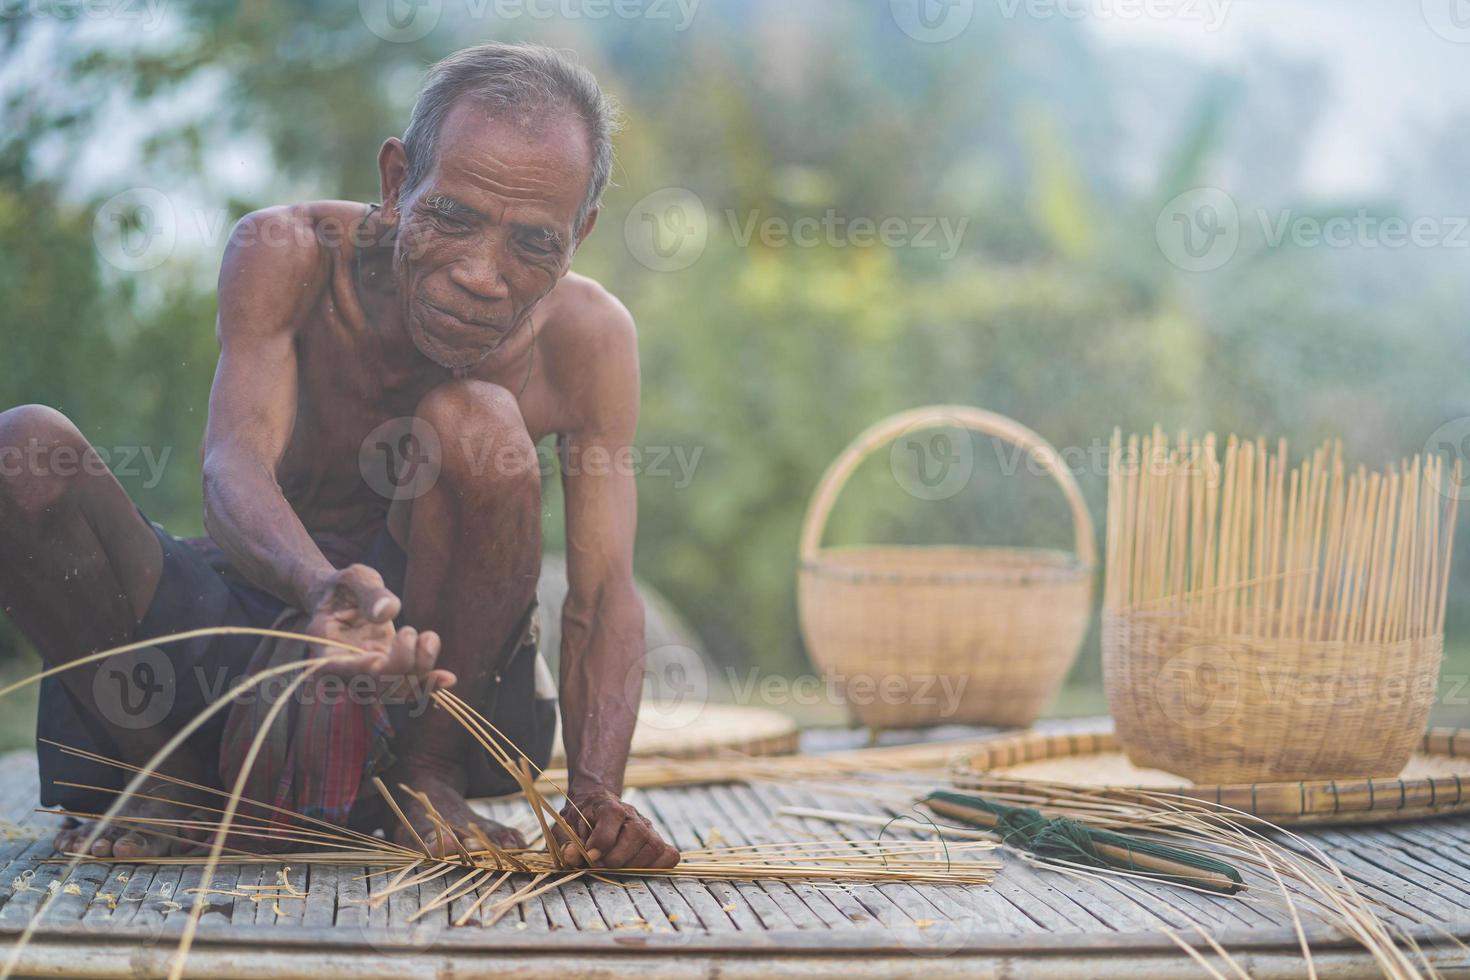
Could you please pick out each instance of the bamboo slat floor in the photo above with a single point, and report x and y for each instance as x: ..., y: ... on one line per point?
x: 106, y: 921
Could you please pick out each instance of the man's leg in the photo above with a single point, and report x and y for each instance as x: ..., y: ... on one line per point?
x: 78, y: 567
x: 473, y: 542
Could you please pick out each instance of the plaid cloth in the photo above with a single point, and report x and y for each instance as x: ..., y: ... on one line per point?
x: 322, y: 748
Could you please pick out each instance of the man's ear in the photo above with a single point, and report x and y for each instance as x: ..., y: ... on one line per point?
x: 392, y: 172
x: 586, y: 228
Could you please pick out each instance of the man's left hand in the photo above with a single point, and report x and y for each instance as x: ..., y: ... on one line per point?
x: 616, y: 835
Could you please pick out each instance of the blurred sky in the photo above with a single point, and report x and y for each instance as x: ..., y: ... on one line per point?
x: 1390, y: 74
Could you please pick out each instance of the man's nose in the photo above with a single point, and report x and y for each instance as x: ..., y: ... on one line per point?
x: 480, y: 275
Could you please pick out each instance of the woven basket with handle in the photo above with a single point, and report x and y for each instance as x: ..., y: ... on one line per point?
x: 919, y: 636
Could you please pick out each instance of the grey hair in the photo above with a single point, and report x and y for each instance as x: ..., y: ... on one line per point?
x: 519, y: 79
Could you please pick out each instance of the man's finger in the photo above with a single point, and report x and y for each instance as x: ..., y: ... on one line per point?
x: 401, y: 656
x: 647, y: 855
x: 426, y: 652
x: 668, y: 858
x: 607, y: 822
x: 631, y: 840
x: 378, y: 605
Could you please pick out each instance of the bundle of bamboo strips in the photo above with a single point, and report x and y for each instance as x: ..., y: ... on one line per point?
x: 1262, y: 622
x: 239, y: 828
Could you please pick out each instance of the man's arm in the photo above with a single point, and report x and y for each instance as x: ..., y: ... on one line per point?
x: 268, y: 282
x: 602, y: 622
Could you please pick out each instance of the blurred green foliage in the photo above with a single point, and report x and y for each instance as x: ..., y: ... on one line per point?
x: 1057, y: 310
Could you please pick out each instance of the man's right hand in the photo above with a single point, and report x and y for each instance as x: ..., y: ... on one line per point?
x: 353, y: 606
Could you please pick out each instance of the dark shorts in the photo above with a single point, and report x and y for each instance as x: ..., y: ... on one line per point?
x: 168, y: 685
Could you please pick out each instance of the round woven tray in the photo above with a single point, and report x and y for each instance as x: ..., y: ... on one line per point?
x: 1436, y: 781
x: 714, y: 730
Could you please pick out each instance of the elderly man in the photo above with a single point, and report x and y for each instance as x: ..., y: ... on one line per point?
x: 370, y: 475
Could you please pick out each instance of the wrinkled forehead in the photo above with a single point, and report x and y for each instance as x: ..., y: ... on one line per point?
x: 533, y: 161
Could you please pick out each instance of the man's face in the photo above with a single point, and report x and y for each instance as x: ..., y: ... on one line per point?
x: 489, y: 230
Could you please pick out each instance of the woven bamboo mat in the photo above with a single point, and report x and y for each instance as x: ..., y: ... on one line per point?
x: 1436, y: 781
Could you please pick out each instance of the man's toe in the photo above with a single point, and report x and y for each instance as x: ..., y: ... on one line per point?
x: 135, y: 845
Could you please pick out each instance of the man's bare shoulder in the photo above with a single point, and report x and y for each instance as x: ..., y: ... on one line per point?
x: 583, y: 318
x: 303, y: 235
x: 591, y: 347
x: 279, y: 260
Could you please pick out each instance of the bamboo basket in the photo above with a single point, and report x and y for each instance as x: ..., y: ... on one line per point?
x: 1261, y: 624
x: 921, y: 636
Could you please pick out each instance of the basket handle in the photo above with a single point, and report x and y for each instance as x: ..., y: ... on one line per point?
x: 935, y: 416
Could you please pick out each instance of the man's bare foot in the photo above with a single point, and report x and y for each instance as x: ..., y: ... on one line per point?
x: 443, y: 792
x: 123, y: 839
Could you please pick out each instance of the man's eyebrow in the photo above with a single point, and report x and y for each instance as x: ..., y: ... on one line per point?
x: 447, y: 205
x: 541, y: 231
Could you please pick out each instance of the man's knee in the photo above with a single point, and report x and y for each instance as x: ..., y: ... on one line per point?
x: 484, y: 445
x: 41, y: 454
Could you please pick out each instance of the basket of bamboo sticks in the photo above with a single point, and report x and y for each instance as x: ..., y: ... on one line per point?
x: 1265, y: 623
x: 918, y: 636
